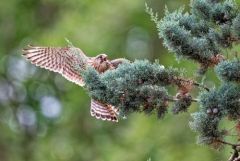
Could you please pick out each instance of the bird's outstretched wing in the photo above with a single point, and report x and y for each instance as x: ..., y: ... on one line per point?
x: 68, y: 61
x: 104, y: 111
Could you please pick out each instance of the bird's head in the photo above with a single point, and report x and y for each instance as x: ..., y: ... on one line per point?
x: 102, y: 58
x: 101, y: 63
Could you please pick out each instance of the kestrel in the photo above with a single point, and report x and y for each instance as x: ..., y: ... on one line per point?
x: 69, y: 62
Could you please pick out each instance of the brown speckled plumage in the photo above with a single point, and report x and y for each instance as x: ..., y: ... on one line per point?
x: 69, y: 62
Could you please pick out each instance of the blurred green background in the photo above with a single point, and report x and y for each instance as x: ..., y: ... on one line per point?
x: 43, y: 117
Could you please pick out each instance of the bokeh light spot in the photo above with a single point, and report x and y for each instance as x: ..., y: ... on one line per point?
x: 50, y: 107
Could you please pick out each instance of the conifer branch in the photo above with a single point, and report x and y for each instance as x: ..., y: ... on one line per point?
x: 174, y: 99
x: 199, y: 35
x: 227, y: 143
x: 201, y: 86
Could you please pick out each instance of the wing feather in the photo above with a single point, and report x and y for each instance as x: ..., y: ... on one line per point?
x: 103, y: 111
x: 68, y: 61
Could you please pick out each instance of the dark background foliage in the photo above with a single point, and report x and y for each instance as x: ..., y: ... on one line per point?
x: 45, y: 117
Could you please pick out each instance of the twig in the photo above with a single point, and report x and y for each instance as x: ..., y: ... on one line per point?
x: 202, y: 86
x: 174, y: 99
x: 227, y: 143
x: 235, y: 155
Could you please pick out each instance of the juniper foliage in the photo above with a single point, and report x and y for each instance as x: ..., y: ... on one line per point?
x: 214, y: 106
x: 200, y: 35
x: 182, y: 104
x: 133, y: 87
x: 229, y: 70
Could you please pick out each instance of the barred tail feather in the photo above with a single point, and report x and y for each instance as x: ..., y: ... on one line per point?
x: 104, y: 111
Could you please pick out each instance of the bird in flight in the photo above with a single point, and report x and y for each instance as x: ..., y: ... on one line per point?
x: 69, y: 62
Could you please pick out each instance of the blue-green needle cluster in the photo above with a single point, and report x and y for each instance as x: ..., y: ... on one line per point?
x: 215, y: 105
x: 134, y: 87
x: 200, y: 34
x: 229, y: 70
